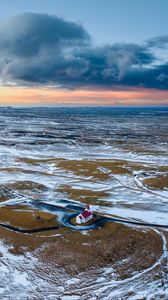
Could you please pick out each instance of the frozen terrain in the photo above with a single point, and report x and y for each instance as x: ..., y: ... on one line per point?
x: 115, y: 159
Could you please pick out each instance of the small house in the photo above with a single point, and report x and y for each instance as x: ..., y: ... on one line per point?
x: 85, y: 216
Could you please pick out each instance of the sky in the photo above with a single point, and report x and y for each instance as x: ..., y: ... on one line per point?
x: 80, y: 52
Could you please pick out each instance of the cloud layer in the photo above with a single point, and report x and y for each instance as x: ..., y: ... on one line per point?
x: 40, y: 49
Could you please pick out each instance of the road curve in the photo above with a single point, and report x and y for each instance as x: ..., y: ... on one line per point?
x: 66, y: 220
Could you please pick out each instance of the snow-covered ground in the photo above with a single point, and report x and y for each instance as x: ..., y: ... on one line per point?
x: 47, y: 136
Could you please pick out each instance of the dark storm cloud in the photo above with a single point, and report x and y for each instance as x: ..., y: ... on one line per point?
x: 156, y: 77
x: 158, y: 42
x: 27, y: 34
x: 109, y: 64
x: 43, y: 49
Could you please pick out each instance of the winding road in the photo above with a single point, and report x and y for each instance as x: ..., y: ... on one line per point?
x: 68, y: 213
x: 66, y: 220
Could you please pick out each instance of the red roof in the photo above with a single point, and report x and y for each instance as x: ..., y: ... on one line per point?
x: 86, y: 213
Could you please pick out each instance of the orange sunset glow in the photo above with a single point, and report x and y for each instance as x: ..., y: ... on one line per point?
x: 84, y: 149
x: 49, y: 96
